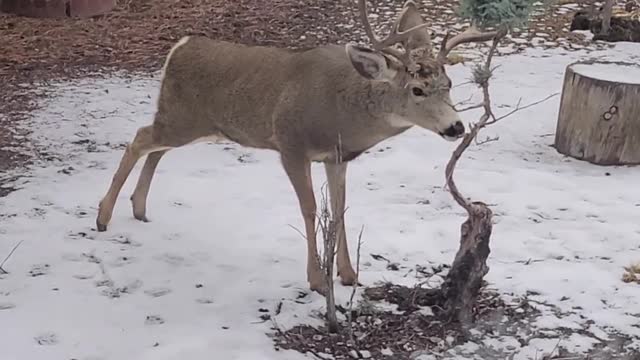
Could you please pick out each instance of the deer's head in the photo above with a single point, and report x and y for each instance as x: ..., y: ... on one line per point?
x: 418, y: 82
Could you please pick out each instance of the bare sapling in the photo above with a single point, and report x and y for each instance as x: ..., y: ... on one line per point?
x: 464, y: 280
x: 355, y: 286
x: 328, y: 228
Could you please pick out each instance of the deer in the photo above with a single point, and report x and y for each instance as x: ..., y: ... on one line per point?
x: 328, y: 104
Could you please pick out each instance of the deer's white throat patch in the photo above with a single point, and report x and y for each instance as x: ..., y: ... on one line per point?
x: 398, y: 121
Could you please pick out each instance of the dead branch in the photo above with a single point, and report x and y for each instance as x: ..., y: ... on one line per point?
x: 471, y: 107
x: 483, y: 81
x: 462, y: 102
x: 519, y: 108
x: 355, y: 285
x: 486, y: 140
x: 2, y: 270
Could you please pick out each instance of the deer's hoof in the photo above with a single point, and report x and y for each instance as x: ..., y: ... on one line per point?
x: 350, y: 282
x: 320, y: 289
x: 141, y: 217
x: 348, y: 278
x: 101, y: 227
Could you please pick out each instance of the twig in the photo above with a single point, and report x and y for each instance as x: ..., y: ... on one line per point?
x: 486, y: 140
x: 518, y: 108
x: 463, y: 83
x: 355, y: 285
x: 548, y: 356
x: 298, y: 231
x: 462, y: 102
x: 2, y: 270
x: 471, y: 107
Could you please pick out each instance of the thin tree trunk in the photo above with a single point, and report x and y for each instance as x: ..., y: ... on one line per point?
x: 606, y: 17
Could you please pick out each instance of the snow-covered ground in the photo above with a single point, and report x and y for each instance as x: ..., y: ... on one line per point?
x: 190, y: 284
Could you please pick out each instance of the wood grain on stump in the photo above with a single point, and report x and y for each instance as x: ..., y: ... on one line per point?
x: 599, y: 118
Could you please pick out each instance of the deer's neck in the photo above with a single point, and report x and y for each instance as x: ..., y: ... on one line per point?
x: 369, y: 115
x: 379, y: 106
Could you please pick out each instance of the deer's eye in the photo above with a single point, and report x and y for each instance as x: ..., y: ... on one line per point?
x: 417, y: 91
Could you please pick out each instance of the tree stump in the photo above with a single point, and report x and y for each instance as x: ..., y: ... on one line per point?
x: 599, y: 118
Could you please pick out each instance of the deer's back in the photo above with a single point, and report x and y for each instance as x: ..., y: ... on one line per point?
x: 262, y: 97
x: 215, y: 87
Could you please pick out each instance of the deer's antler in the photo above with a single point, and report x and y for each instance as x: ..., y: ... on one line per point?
x: 395, y: 37
x: 472, y: 34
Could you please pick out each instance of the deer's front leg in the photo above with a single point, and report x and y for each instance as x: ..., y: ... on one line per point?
x: 298, y: 169
x: 336, y: 178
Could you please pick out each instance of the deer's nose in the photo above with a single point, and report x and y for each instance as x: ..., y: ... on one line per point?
x: 456, y: 130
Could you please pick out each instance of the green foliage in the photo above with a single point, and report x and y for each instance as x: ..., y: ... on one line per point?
x: 493, y: 13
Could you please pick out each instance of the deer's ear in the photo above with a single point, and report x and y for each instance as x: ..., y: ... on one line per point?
x: 410, y: 17
x: 370, y: 64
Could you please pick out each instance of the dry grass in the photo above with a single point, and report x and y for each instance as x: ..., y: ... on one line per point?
x: 631, y: 273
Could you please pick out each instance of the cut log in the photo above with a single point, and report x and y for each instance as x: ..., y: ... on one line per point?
x: 599, y: 118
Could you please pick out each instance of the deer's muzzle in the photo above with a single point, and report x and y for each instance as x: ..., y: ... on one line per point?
x: 454, y: 131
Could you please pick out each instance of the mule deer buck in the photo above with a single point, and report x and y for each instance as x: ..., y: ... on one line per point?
x: 328, y: 104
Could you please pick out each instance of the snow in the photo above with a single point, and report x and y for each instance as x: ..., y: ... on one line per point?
x: 190, y: 284
x: 615, y: 72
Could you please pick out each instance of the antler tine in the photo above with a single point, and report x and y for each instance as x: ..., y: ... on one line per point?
x: 470, y: 35
x: 393, y: 38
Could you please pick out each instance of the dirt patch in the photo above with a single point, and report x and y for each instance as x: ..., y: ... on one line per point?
x: 413, y: 327
x: 416, y: 328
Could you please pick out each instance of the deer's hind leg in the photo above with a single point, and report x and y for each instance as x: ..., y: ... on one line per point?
x: 139, y: 196
x: 142, y: 144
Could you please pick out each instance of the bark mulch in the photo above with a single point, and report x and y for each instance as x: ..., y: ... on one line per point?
x: 416, y: 329
x: 409, y: 331
x: 136, y: 37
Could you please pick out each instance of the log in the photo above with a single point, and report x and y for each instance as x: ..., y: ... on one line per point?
x: 463, y: 282
x: 599, y: 117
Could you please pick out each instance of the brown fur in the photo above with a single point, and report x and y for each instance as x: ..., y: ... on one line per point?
x: 303, y: 104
